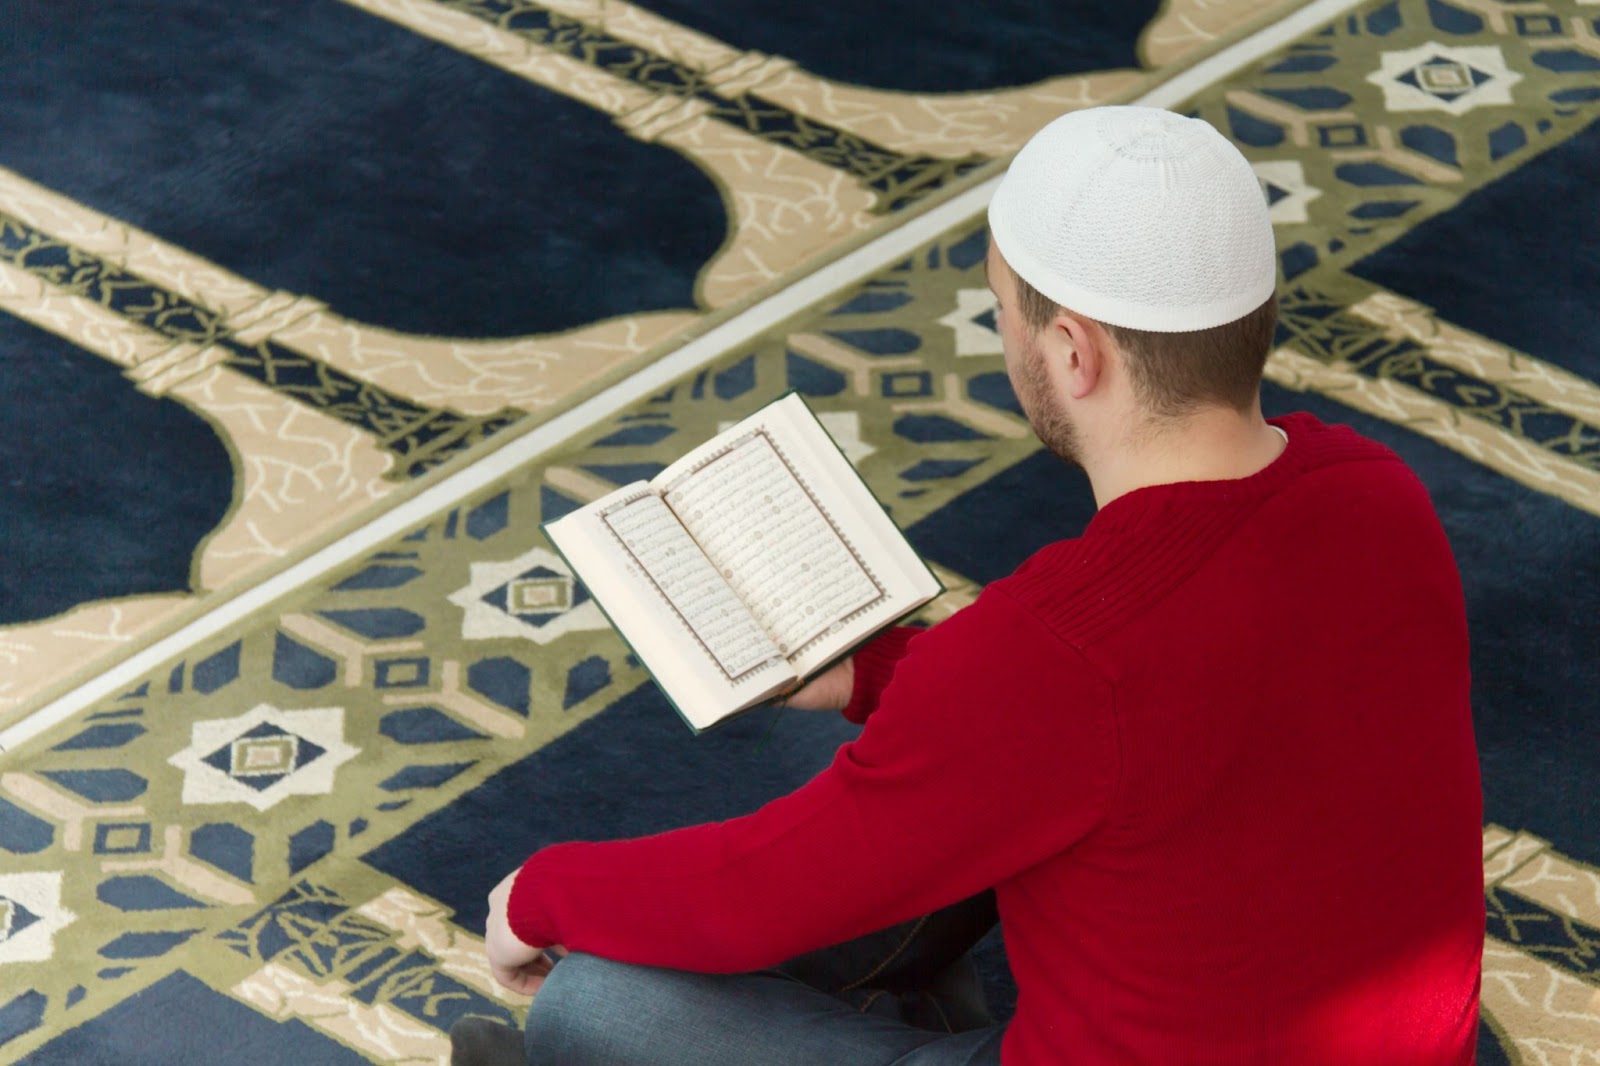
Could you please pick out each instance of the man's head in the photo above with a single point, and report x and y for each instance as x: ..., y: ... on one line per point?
x: 1131, y: 250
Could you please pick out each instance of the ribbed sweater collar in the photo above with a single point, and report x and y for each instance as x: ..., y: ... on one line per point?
x: 1307, y: 447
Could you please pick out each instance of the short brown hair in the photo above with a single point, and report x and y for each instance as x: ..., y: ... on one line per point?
x: 1175, y: 373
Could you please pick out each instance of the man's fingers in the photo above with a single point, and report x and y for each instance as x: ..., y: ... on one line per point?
x: 524, y: 980
x: 529, y: 983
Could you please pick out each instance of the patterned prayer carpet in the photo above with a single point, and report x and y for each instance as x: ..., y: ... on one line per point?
x: 275, y: 847
x: 266, y: 268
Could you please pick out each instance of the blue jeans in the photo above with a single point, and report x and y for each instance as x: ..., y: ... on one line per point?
x: 906, y: 996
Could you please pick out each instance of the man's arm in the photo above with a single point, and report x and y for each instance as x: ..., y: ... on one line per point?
x: 992, y: 749
x: 853, y: 685
x: 518, y: 966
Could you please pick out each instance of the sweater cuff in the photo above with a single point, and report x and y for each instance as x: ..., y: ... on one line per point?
x: 525, y: 914
x: 874, y: 666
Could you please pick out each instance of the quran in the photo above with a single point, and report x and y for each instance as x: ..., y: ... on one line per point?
x: 746, y: 567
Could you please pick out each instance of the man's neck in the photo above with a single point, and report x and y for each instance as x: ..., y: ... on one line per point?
x: 1211, y: 445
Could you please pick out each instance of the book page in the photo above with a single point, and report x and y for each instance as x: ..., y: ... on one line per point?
x: 705, y: 650
x: 773, y: 542
x: 780, y: 509
x: 669, y: 559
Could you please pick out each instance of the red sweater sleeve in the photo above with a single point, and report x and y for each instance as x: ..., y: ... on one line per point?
x: 993, y: 748
x: 874, y: 666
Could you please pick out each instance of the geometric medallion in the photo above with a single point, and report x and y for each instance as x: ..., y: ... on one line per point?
x: 263, y: 756
x: 1438, y: 77
x: 533, y: 596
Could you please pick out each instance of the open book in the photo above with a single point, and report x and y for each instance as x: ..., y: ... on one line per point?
x: 747, y: 566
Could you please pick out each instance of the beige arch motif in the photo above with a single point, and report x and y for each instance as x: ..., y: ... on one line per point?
x: 299, y: 471
x: 785, y: 209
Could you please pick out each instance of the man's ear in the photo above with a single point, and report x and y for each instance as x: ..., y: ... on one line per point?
x: 1080, y: 347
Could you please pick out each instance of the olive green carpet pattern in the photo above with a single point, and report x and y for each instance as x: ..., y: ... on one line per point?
x: 274, y: 846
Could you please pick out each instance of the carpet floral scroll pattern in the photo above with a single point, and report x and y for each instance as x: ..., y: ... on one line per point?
x: 419, y: 437
x: 1325, y: 330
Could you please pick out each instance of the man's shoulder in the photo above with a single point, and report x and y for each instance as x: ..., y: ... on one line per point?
x: 1138, y: 549
x: 1317, y: 442
x: 1056, y: 583
x: 1319, y: 445
x: 1339, y: 468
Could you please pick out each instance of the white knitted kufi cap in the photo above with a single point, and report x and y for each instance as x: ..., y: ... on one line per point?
x: 1138, y: 217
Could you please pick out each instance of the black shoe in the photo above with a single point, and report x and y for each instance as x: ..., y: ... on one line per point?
x: 478, y: 1041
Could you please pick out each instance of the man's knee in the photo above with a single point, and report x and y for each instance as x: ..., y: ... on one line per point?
x: 579, y: 1015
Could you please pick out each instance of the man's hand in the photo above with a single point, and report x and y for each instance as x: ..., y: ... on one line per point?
x: 828, y: 691
x: 518, y: 966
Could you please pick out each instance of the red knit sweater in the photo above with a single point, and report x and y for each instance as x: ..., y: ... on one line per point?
x: 1215, y: 755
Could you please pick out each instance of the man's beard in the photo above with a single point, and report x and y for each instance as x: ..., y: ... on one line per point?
x: 1043, y: 408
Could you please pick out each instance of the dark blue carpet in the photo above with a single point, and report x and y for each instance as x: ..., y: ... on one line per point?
x: 916, y: 47
x: 140, y: 1031
x: 311, y: 147
x: 632, y: 770
x: 106, y: 491
x: 1517, y: 261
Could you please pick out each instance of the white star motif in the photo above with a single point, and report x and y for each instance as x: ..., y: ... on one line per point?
x: 485, y: 621
x: 206, y: 783
x: 1438, y: 77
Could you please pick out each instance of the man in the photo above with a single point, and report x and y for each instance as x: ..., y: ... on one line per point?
x: 1213, y: 757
